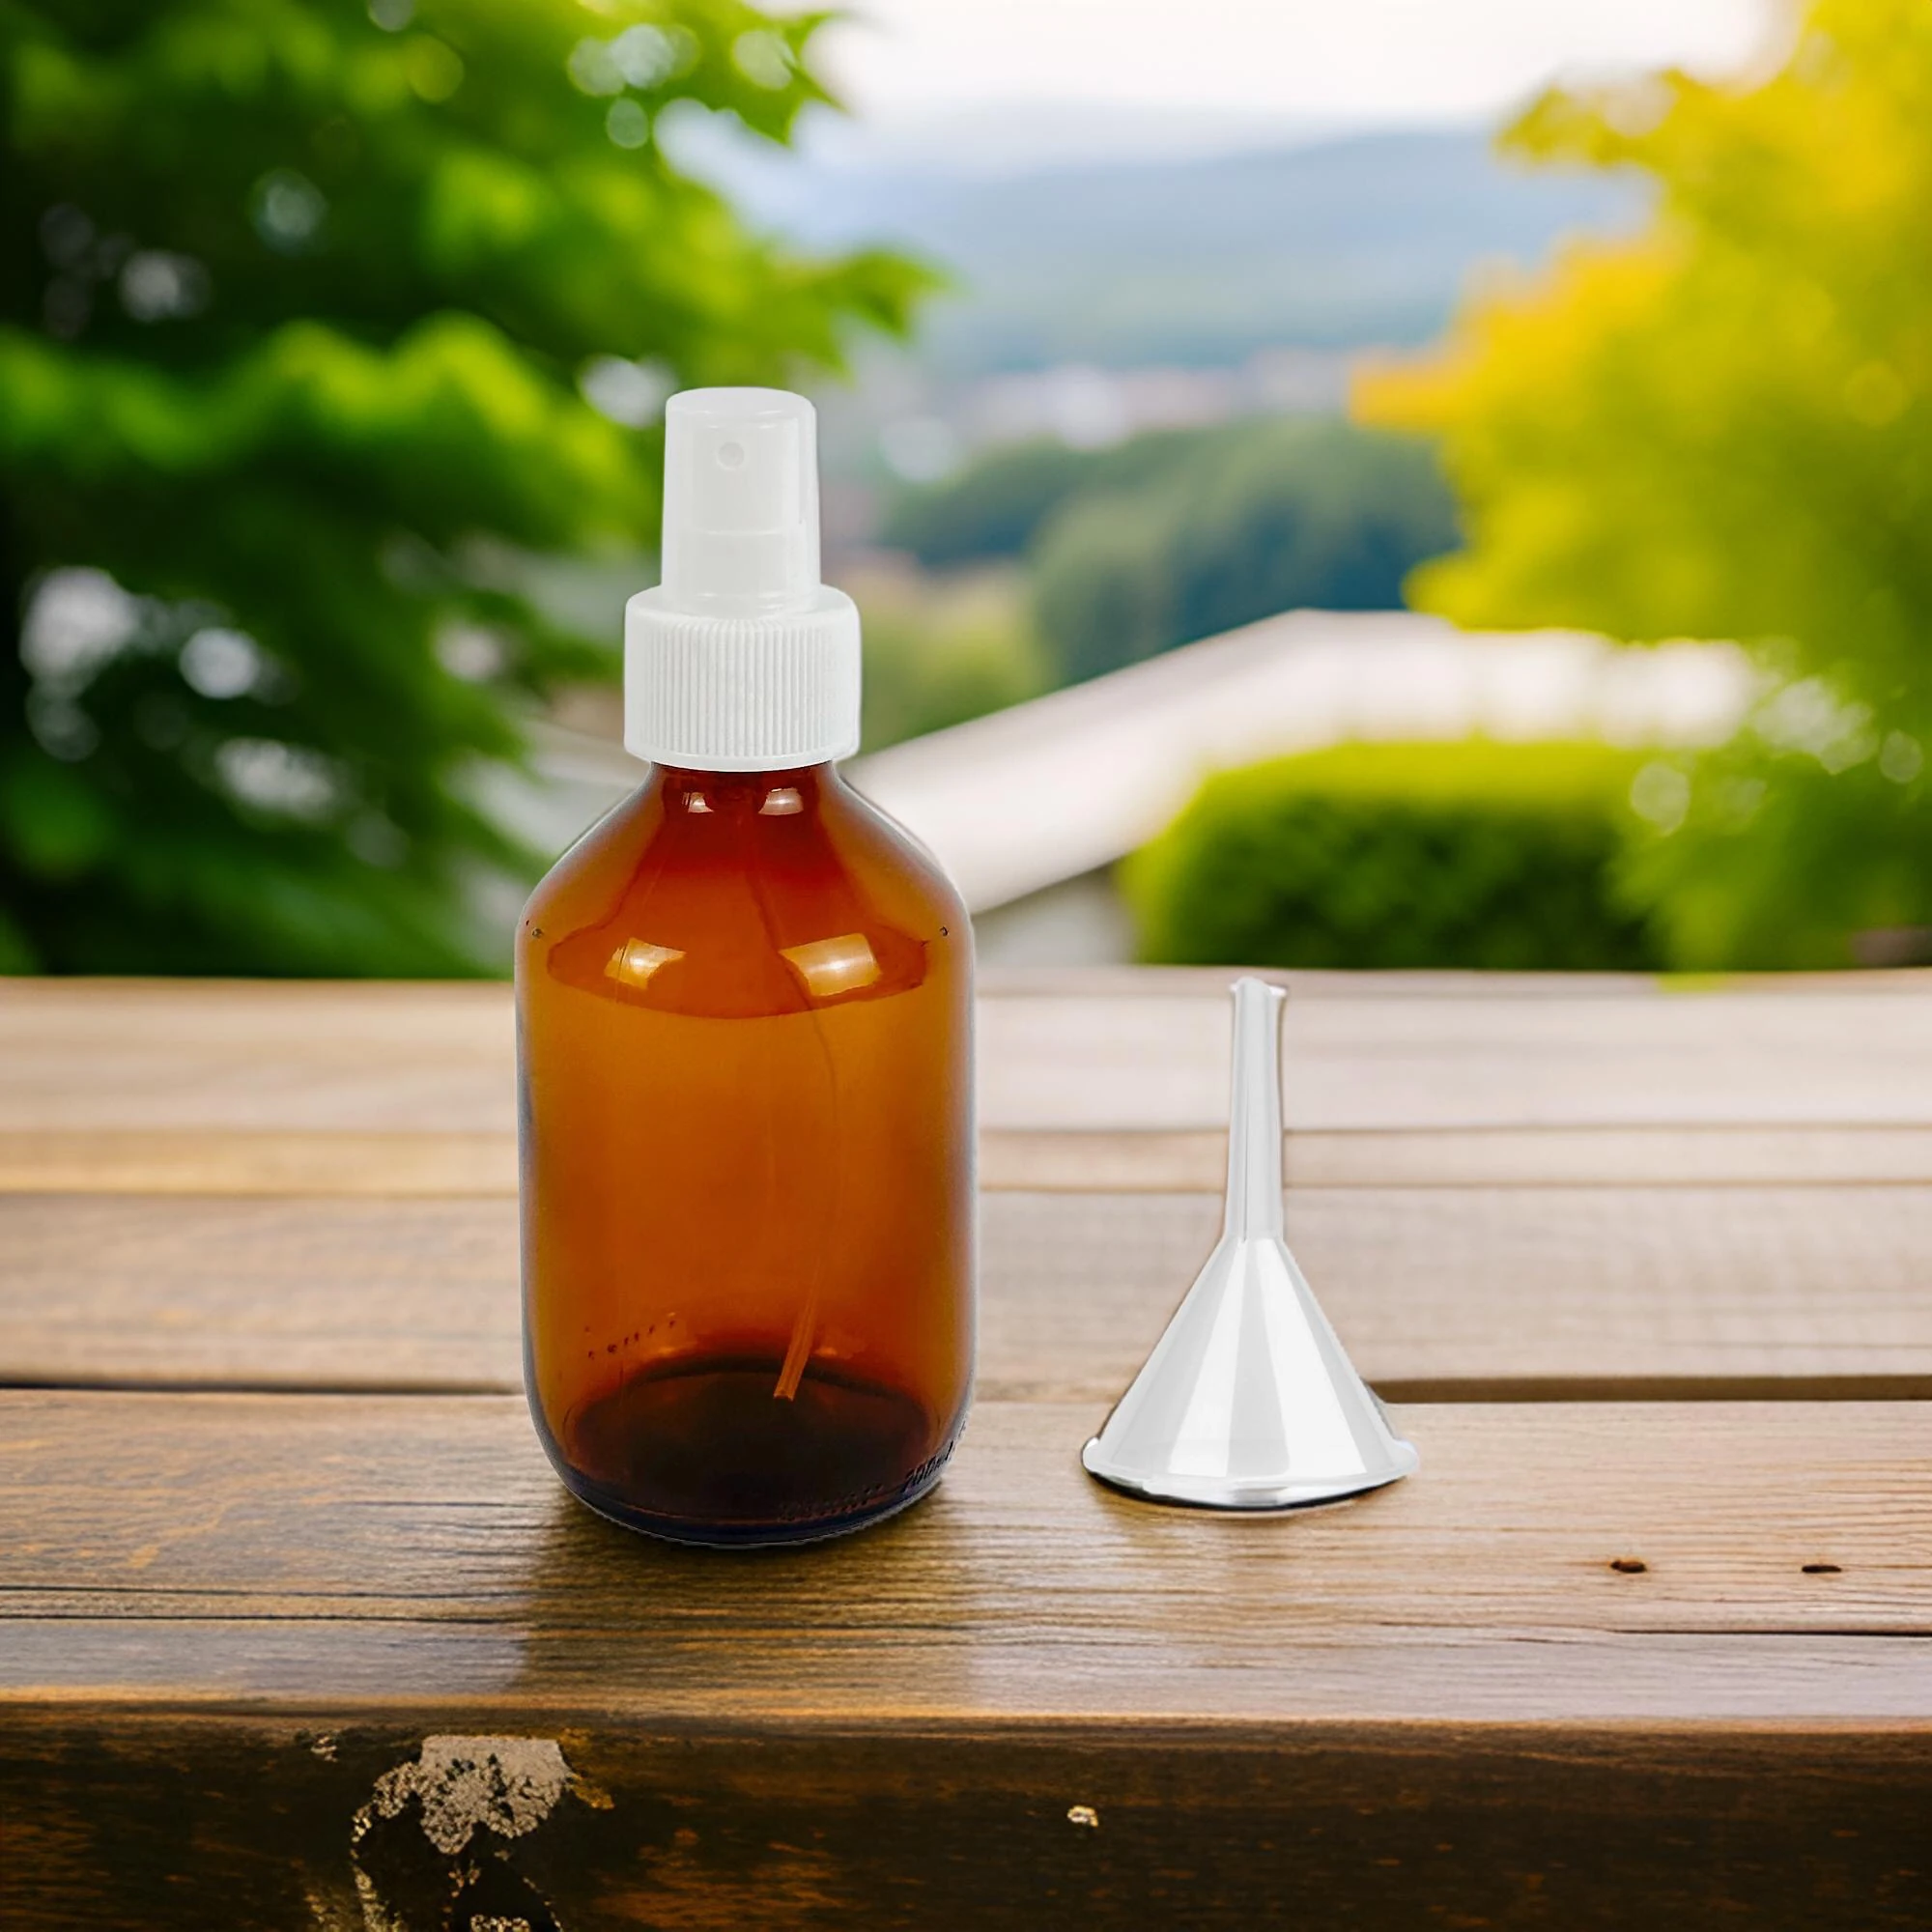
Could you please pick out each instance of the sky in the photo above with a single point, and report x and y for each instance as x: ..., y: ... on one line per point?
x: 1323, y: 63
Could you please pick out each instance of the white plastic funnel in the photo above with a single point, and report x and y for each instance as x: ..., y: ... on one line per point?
x: 1248, y: 1401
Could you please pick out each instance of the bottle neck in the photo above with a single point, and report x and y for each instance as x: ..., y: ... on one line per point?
x: 784, y: 793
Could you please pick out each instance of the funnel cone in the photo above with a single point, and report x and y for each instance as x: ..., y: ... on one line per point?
x: 1248, y: 1401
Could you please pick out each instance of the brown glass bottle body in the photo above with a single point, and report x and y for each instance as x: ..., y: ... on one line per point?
x: 744, y: 1008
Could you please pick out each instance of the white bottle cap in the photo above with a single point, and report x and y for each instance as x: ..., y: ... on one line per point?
x: 741, y: 659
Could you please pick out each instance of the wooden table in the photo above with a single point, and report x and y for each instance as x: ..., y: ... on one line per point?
x: 298, y: 1629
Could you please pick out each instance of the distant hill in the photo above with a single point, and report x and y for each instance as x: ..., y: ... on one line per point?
x: 1203, y: 260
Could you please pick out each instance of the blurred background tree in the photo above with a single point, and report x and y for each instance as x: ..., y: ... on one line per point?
x: 1179, y: 534
x: 1723, y: 429
x: 1265, y: 517
x: 317, y: 327
x: 940, y: 652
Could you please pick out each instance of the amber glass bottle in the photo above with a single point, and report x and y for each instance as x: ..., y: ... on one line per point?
x: 743, y: 1012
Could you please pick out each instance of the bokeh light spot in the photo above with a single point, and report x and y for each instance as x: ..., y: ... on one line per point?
x: 627, y: 124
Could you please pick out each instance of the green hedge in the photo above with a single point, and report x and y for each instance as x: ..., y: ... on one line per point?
x: 1470, y: 855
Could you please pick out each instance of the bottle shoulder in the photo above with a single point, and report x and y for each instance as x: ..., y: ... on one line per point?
x: 874, y: 841
x: 603, y: 852
x: 707, y: 894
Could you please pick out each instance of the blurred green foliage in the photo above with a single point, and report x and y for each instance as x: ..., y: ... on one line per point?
x: 941, y: 651
x: 1274, y: 516
x: 1180, y: 533
x: 1723, y: 429
x: 1760, y: 854
x: 302, y: 310
x: 1394, y: 855
x: 993, y: 508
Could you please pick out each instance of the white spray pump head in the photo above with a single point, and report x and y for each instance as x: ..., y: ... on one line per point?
x: 741, y: 659
x: 740, y: 503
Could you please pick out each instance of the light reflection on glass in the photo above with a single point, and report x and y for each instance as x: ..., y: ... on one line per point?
x: 829, y: 967
x: 780, y: 803
x: 637, y: 959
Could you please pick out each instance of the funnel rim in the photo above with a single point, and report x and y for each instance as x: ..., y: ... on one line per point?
x: 1282, y: 1492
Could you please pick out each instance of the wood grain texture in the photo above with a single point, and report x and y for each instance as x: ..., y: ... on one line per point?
x: 169, y: 1056
x: 1178, y: 1162
x: 1682, y: 1058
x: 257, y: 1160
x: 238, y: 1055
x: 176, y: 1824
x: 1439, y: 1292
x: 319, y: 1532
x: 353, y: 1660
x: 412, y: 1165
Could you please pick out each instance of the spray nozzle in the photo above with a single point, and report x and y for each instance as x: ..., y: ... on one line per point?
x: 741, y: 502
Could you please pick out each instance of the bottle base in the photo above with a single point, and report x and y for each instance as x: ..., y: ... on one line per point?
x: 706, y: 1453
x: 744, y: 1536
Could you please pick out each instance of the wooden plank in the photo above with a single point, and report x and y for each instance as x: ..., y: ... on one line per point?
x: 260, y: 1161
x: 252, y: 1820
x: 1688, y: 1059
x: 406, y: 1165
x: 1441, y: 1293
x: 176, y: 1824
x: 1182, y: 1162
x: 378, y: 1554
x: 1306, y: 983
x: 1792, y: 1156
x: 167, y: 1056
x: 238, y: 1055
x: 1447, y: 1294
x: 334, y: 1662
x: 314, y: 1661
x: 1023, y: 1590
x: 149, y: 1291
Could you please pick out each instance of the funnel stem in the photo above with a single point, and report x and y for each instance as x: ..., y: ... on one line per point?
x: 1254, y: 1113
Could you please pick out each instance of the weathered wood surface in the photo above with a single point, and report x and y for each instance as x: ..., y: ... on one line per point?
x: 332, y: 1164
x: 1441, y: 1293
x: 176, y: 1823
x: 341, y: 1655
x: 274, y: 1661
x: 1024, y: 1590
x: 173, y: 1057
x: 1425, y: 1081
